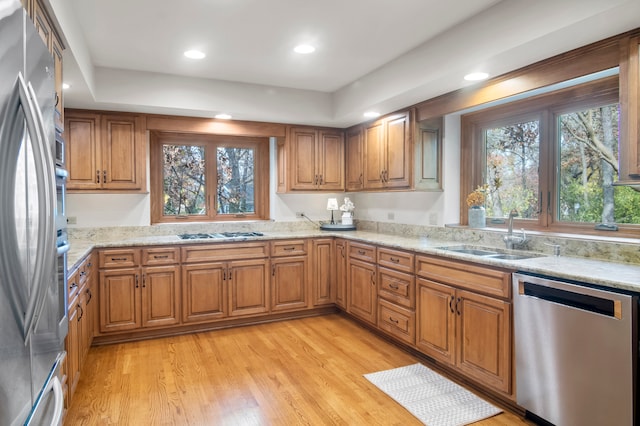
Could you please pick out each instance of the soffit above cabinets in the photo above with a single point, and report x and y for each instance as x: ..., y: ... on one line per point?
x: 370, y: 54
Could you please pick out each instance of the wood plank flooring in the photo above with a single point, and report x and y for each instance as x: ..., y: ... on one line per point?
x: 298, y: 372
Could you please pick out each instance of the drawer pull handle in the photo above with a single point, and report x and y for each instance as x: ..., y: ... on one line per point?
x: 289, y: 248
x: 451, y: 304
x: 137, y: 281
x: 83, y: 273
x: 394, y: 260
x: 118, y: 259
x: 165, y: 256
x: 362, y: 252
x: 458, y: 306
x: 395, y: 321
x: 393, y: 286
x: 73, y: 284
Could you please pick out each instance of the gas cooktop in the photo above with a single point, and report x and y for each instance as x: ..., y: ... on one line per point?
x: 200, y: 236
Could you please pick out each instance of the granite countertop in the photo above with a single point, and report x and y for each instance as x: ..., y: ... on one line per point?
x: 608, y: 274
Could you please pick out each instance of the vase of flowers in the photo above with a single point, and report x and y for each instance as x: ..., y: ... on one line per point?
x: 347, y: 211
x: 475, y: 201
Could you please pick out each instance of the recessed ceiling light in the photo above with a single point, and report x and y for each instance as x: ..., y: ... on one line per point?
x: 304, y: 48
x: 476, y: 76
x: 194, y: 54
x: 223, y: 116
x: 65, y: 86
x: 371, y: 114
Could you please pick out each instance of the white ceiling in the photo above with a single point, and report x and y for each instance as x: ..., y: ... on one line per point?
x: 371, y: 54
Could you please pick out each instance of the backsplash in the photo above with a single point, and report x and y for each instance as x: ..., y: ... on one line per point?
x: 621, y: 251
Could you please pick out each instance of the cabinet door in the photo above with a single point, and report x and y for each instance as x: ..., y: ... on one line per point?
x: 123, y: 165
x: 204, y: 292
x: 484, y: 339
x: 397, y: 170
x: 289, y: 279
x: 341, y: 273
x: 160, y: 296
x: 354, y: 162
x: 362, y: 292
x: 85, y: 322
x: 248, y: 283
x: 436, y: 320
x: 82, y: 151
x: 57, y: 51
x: 330, y: 160
x: 281, y: 172
x: 302, y: 171
x: 323, y: 275
x: 119, y: 300
x: 72, y: 347
x: 630, y: 107
x: 374, y: 162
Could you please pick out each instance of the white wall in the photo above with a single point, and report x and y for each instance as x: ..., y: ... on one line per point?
x: 414, y: 208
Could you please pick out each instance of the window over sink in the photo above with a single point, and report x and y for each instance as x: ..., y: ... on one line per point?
x: 553, y: 158
x: 197, y: 177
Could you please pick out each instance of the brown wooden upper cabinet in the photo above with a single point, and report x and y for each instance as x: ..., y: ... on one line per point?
x: 105, y: 151
x: 387, y: 152
x: 354, y: 170
x: 45, y: 27
x: 315, y: 159
x: 630, y: 105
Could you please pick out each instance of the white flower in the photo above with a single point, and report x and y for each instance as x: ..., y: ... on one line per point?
x: 347, y: 206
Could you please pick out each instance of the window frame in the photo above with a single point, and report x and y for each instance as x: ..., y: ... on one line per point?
x: 211, y: 142
x: 547, y: 107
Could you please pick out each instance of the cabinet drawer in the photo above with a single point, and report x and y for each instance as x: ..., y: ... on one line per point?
x: 119, y: 258
x: 469, y: 276
x: 224, y: 252
x: 364, y: 252
x: 397, y: 287
x: 288, y: 248
x: 396, y: 259
x: 160, y: 256
x: 397, y: 321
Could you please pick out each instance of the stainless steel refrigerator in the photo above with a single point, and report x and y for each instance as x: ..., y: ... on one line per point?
x: 33, y: 317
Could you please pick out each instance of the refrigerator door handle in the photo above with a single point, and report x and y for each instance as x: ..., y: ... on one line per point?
x: 45, y: 172
x: 59, y: 401
x: 27, y: 298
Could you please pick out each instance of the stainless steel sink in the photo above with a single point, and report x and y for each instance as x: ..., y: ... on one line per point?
x: 505, y: 256
x: 470, y: 250
x: 488, y: 253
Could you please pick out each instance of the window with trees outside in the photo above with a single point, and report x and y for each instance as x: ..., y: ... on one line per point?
x: 208, y: 178
x: 553, y: 159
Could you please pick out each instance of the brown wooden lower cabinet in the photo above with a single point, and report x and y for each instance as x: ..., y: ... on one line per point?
x: 467, y: 330
x: 455, y: 312
x: 323, y: 272
x: 341, y: 273
x: 362, y: 294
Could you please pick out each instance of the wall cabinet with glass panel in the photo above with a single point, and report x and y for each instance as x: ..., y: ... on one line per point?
x: 427, y: 155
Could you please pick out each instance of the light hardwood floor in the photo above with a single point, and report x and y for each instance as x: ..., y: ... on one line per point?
x: 298, y: 372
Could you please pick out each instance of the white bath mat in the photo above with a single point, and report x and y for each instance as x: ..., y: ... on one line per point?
x: 432, y: 398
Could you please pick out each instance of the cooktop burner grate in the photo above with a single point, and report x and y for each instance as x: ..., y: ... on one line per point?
x: 220, y: 235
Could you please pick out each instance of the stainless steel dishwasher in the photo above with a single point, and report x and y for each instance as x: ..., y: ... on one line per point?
x: 576, y: 352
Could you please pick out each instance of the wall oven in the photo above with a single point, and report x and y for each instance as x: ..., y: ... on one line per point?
x: 62, y: 241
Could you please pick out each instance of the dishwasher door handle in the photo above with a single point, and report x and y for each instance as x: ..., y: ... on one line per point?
x: 610, y: 307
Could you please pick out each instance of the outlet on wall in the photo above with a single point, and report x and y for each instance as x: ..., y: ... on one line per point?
x: 391, y: 216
